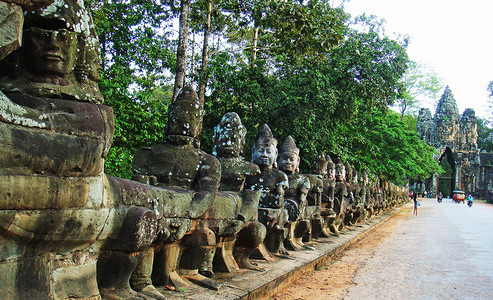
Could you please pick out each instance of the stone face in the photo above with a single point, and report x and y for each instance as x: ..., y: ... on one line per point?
x: 60, y: 216
x: 73, y: 77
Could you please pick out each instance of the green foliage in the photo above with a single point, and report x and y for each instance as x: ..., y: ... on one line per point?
x: 135, y: 56
x: 420, y: 83
x: 485, y: 135
x: 315, y: 79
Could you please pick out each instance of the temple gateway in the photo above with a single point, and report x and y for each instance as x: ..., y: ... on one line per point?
x: 467, y: 168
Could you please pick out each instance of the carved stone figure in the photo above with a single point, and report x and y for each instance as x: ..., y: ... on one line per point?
x: 295, y: 195
x: 61, y: 217
x: 228, y: 141
x: 178, y: 163
x: 340, y: 196
x: 272, y: 184
x: 314, y: 207
x: 325, y: 168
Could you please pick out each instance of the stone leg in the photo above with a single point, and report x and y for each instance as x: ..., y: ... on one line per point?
x: 249, y: 238
x: 165, y: 267
x: 224, y: 260
x: 316, y: 228
x: 301, y: 229
x: 141, y: 281
x: 196, y: 248
x: 137, y: 232
x: 290, y: 242
x: 274, y: 241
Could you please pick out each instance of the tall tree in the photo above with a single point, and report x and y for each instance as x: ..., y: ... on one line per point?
x: 181, y: 52
x: 421, y: 83
x: 485, y: 135
x: 136, y: 57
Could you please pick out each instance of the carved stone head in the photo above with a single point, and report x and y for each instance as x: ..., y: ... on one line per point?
x: 59, y: 57
x: 320, y: 165
x: 264, y: 152
x: 289, y: 158
x: 229, y: 136
x: 185, y: 116
x: 349, y: 172
x: 340, y: 171
x: 331, y: 168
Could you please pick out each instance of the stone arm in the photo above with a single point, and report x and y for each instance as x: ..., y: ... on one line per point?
x: 209, y: 177
x: 304, y: 189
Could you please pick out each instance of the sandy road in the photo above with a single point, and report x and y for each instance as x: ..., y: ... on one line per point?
x: 333, y: 280
x: 444, y: 253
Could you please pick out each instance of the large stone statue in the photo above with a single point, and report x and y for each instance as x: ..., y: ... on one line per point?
x: 340, y: 196
x: 314, y: 206
x: 295, y: 195
x: 228, y: 140
x: 272, y: 184
x: 62, y: 220
x: 178, y: 163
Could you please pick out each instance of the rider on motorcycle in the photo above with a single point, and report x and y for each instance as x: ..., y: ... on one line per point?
x: 439, y: 197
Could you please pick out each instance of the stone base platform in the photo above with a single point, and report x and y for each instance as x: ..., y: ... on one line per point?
x: 277, y: 274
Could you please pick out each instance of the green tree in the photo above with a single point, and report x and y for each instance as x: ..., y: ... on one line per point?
x: 420, y: 83
x: 136, y: 56
x: 485, y: 135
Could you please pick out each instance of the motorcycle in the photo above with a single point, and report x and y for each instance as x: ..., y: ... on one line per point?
x: 439, y: 199
x: 469, y: 203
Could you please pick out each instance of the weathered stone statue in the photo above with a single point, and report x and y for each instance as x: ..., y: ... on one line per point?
x: 358, y: 204
x: 314, y: 200
x: 340, y: 196
x: 62, y: 220
x: 272, y: 184
x: 349, y: 200
x: 177, y: 163
x: 295, y: 195
x: 327, y: 214
x: 228, y: 140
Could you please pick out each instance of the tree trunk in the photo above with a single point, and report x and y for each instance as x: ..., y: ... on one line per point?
x: 255, y: 42
x: 181, y: 53
x: 205, y: 53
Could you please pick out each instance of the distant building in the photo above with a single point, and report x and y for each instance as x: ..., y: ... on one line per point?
x: 455, y: 137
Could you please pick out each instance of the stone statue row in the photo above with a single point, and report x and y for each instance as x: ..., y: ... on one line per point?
x: 68, y: 230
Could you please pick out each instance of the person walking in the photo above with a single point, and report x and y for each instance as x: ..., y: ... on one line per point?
x: 416, y: 204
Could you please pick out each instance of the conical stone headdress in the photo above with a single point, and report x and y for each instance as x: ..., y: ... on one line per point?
x: 265, y: 136
x: 185, y: 115
x: 330, y: 163
x: 230, y: 128
x: 290, y: 146
x: 320, y: 164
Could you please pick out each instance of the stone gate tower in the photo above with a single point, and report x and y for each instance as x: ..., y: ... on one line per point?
x: 455, y: 137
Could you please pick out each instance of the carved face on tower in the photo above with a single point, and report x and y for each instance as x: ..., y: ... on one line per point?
x: 289, y: 159
x: 51, y: 52
x: 59, y: 57
x: 265, y: 148
x: 229, y: 136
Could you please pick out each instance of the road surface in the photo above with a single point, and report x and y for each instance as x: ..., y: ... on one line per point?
x: 444, y: 253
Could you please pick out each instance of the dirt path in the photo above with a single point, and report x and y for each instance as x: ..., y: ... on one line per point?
x: 333, y: 280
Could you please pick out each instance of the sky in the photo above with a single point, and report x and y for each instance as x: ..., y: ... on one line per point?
x: 454, y: 38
